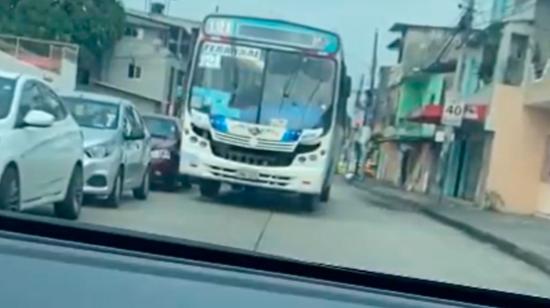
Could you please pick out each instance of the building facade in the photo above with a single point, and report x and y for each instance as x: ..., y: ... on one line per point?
x: 409, y: 155
x: 151, y: 60
x: 500, y: 155
x: 519, y: 118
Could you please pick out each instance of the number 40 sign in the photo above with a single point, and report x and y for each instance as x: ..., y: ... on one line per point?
x: 453, y: 113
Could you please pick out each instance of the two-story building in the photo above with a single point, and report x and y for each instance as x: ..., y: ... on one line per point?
x: 150, y: 63
x: 501, y: 153
x: 409, y: 155
x: 512, y: 79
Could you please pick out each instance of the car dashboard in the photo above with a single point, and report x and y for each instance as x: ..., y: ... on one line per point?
x: 40, y: 271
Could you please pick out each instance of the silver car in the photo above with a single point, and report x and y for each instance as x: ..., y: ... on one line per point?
x: 117, y: 146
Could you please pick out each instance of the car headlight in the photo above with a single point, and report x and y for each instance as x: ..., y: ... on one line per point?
x: 100, y: 151
x: 160, y: 154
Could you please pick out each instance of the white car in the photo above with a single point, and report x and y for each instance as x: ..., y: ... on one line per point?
x: 41, y: 148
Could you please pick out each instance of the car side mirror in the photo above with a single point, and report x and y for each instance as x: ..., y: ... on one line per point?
x: 38, y: 118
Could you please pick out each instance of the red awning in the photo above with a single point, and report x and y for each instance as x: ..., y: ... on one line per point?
x: 431, y: 114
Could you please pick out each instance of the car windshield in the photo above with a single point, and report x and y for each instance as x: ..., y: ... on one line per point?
x: 404, y: 137
x: 7, y: 89
x: 255, y: 85
x: 93, y: 113
x: 161, y: 128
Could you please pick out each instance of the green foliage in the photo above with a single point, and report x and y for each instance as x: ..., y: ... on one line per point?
x: 93, y: 24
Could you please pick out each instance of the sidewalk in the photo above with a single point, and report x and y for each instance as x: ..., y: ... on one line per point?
x: 524, y: 237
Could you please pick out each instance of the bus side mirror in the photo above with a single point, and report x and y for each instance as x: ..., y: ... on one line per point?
x: 346, y: 87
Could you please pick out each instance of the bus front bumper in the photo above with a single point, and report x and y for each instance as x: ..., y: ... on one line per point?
x: 295, y: 179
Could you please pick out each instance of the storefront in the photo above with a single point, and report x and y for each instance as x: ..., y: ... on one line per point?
x: 462, y: 168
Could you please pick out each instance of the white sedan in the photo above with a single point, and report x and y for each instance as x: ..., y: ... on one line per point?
x: 41, y: 148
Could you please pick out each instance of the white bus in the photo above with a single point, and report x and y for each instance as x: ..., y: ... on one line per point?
x: 265, y: 108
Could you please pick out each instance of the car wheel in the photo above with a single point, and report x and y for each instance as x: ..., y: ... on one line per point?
x: 142, y: 192
x: 114, y: 197
x: 210, y: 189
x: 309, y: 202
x: 10, y: 190
x: 325, y: 194
x: 70, y: 207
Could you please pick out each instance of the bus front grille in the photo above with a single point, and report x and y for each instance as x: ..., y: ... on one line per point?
x: 261, y: 144
x: 263, y: 178
x: 252, y: 157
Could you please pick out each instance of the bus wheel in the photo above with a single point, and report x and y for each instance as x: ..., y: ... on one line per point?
x: 209, y: 188
x: 309, y: 202
x: 325, y: 194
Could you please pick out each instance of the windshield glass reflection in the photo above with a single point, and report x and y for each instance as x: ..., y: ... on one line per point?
x: 265, y: 87
x: 93, y: 114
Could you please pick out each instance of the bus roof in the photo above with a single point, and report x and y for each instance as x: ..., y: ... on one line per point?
x: 273, y: 31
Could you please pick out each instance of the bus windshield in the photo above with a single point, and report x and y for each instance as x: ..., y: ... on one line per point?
x: 264, y: 86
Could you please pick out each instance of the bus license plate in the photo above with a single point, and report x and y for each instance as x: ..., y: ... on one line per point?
x: 248, y: 174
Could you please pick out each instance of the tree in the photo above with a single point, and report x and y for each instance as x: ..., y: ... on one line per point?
x: 95, y: 25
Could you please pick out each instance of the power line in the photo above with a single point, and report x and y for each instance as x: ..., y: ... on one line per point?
x: 464, y: 22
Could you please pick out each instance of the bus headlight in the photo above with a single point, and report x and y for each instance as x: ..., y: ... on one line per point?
x: 291, y: 135
x: 311, y: 136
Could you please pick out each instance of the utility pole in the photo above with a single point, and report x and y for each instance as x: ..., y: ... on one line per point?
x: 372, y: 81
x: 453, y: 110
x: 359, y: 93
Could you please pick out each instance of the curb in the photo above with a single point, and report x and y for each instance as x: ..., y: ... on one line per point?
x: 531, y: 258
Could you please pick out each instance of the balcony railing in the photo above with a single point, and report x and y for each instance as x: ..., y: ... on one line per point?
x: 44, y: 54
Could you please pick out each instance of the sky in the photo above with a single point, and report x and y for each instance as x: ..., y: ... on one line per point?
x: 355, y: 20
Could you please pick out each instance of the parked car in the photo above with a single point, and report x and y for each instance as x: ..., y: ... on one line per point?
x: 117, y: 146
x: 166, y: 139
x: 41, y: 148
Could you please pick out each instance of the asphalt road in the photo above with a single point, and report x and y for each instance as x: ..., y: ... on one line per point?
x: 355, y: 230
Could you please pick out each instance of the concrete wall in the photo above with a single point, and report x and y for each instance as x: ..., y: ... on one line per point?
x: 390, y: 162
x: 422, y: 165
x: 414, y: 95
x: 421, y: 46
x: 470, y: 82
x: 540, y: 36
x: 64, y: 81
x: 153, y: 61
x: 518, y: 150
x: 512, y: 9
x: 505, y: 48
x: 152, y: 56
x: 142, y: 104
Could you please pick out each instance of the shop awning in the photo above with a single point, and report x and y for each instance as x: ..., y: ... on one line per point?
x: 431, y: 114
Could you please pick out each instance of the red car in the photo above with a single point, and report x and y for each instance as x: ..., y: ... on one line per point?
x: 165, y: 150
